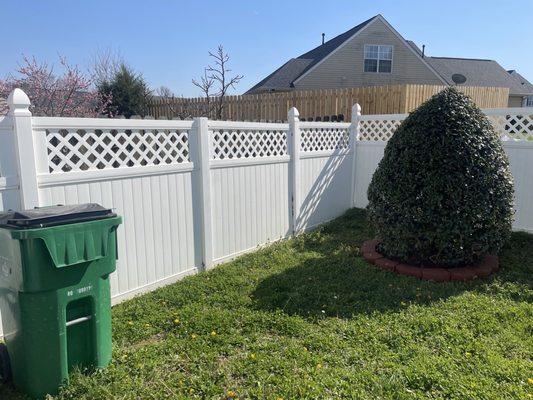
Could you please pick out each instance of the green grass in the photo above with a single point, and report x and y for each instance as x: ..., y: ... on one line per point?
x: 308, y: 319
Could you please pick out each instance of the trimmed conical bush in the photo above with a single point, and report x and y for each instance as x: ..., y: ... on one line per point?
x: 443, y: 192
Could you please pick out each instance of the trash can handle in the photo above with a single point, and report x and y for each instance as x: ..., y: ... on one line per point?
x: 79, y: 320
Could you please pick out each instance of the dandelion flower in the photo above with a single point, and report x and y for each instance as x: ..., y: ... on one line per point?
x: 231, y: 393
x: 468, y: 354
x: 213, y: 333
x: 194, y: 336
x: 130, y: 322
x: 530, y: 381
x: 177, y: 321
x: 318, y: 366
x: 305, y: 349
x: 252, y: 356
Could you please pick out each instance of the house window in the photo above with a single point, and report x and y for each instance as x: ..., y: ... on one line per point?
x: 378, y: 58
x: 528, y: 101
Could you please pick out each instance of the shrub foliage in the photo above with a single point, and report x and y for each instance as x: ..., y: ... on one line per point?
x: 443, y: 192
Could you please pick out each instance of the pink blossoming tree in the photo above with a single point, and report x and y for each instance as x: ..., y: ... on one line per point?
x: 71, y: 94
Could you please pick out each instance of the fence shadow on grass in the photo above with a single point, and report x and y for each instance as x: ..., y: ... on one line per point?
x: 337, y: 282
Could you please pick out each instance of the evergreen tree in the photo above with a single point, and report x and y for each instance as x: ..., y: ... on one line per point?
x: 128, y: 91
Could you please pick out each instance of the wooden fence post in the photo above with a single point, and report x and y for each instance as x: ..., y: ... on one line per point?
x: 294, y: 152
x: 354, y: 134
x: 201, y: 129
x: 19, y: 103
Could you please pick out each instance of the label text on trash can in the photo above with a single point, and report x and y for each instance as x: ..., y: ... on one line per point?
x: 81, y: 290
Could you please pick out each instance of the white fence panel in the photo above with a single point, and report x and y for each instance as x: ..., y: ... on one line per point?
x: 249, y: 186
x: 325, y: 188
x: 156, y: 242
x: 141, y: 169
x: 250, y: 207
x: 367, y: 157
x: 325, y: 172
x: 521, y: 159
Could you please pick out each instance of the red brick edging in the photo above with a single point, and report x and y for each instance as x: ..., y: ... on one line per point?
x: 488, y: 265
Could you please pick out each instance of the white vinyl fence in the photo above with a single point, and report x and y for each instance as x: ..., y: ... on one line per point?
x: 195, y: 193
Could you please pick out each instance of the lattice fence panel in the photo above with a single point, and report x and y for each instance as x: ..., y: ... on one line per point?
x: 323, y: 139
x: 248, y: 143
x: 513, y: 127
x: 85, y: 149
x: 374, y: 130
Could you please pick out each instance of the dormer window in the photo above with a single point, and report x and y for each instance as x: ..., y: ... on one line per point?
x: 378, y: 58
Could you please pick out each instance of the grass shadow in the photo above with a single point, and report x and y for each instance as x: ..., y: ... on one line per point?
x: 335, y: 281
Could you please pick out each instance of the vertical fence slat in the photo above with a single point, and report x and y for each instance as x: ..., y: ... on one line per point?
x: 201, y: 130
x: 294, y: 152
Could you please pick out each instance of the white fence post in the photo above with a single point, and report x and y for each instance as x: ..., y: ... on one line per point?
x: 204, y: 147
x: 294, y: 152
x: 354, y: 134
x: 19, y: 104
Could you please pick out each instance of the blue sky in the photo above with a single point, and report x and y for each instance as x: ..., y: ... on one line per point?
x: 168, y: 41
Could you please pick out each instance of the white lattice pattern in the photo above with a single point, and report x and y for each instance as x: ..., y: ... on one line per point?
x: 378, y: 129
x: 244, y: 143
x: 84, y: 149
x: 513, y: 127
x: 323, y: 139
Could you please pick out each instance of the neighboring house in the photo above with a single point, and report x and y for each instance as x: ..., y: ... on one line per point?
x: 526, y: 87
x: 373, y: 53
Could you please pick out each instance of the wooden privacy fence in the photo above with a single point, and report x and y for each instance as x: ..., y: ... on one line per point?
x: 396, y: 99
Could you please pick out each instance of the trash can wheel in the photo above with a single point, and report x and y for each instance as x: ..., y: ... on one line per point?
x: 5, y: 365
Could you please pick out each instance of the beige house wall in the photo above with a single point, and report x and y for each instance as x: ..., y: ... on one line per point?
x: 344, y: 67
x: 515, y: 101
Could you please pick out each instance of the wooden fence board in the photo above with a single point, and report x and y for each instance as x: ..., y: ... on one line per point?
x: 394, y: 99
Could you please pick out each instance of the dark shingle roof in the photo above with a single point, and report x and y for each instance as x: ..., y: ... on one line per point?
x: 284, y: 76
x: 477, y: 73
x: 523, y: 82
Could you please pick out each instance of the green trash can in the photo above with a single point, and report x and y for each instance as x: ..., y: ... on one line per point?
x: 55, y: 297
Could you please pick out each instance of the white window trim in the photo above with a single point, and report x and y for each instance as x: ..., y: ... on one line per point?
x: 377, y: 72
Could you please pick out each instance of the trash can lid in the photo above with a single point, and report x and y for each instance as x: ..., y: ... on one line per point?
x: 42, y: 217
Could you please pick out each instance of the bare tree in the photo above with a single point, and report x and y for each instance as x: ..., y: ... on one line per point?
x: 217, y: 74
x: 206, y: 83
x: 104, y: 65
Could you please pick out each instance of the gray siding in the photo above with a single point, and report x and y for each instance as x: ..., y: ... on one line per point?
x: 344, y: 67
x: 515, y: 101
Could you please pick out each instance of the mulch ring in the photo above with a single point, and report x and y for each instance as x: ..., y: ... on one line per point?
x: 488, y: 265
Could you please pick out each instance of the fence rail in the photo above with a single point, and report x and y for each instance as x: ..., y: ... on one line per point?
x: 195, y: 193
x: 330, y: 103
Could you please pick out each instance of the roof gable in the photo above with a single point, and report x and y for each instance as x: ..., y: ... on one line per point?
x: 526, y: 86
x: 367, y: 23
x: 284, y: 76
x: 289, y: 73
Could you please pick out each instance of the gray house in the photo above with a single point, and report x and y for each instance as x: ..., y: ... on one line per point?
x: 373, y: 53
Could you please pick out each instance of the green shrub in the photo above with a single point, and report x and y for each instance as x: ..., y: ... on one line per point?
x: 443, y: 192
